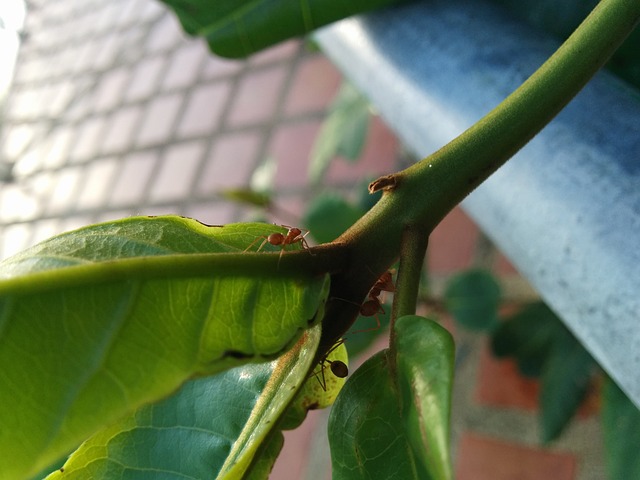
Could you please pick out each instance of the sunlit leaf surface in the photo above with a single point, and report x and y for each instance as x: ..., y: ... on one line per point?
x: 343, y: 132
x: 97, y: 322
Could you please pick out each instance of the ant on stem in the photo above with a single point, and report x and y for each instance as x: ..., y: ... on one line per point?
x: 373, y: 305
x: 370, y: 308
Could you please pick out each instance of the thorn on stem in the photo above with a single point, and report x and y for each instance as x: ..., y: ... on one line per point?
x: 386, y: 183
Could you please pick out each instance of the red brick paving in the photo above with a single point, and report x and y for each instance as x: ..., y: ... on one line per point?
x: 452, y: 244
x: 482, y: 458
x: 500, y: 384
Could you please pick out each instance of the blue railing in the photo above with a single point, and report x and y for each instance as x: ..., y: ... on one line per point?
x: 566, y: 209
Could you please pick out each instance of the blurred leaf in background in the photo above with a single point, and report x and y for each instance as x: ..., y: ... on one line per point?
x: 542, y: 346
x: 343, y: 132
x: 238, y: 28
x: 527, y: 336
x: 566, y: 379
x: 473, y: 298
x: 621, y: 425
x: 329, y: 215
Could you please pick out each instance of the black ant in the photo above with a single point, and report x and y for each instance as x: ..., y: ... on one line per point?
x: 337, y: 367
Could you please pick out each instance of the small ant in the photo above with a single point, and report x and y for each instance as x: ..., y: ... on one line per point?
x: 383, y: 284
x: 373, y: 305
x: 338, y: 367
x: 293, y: 235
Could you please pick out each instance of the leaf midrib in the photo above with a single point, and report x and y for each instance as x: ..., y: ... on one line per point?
x: 191, y: 265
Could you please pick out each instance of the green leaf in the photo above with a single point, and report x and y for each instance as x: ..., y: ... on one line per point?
x: 621, y: 425
x: 343, y: 132
x: 290, y: 375
x: 527, y: 336
x: 98, y: 322
x: 366, y: 430
x: 212, y: 428
x: 567, y: 374
x: 425, y: 361
x: 473, y: 298
x: 329, y: 215
x: 237, y: 28
x: 394, y: 424
x: 267, y: 457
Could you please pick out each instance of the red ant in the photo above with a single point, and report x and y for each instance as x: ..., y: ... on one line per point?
x: 372, y: 305
x: 293, y: 235
x: 383, y: 284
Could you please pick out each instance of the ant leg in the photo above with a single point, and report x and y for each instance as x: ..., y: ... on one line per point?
x: 280, y: 256
x: 305, y: 244
x: 338, y: 367
x: 264, y: 240
x: 372, y: 329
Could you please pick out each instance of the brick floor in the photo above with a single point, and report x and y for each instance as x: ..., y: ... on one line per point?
x: 500, y: 384
x: 488, y: 459
x: 452, y: 244
x: 115, y: 112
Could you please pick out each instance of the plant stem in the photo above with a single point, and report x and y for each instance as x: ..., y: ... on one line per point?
x: 425, y: 192
x: 412, y: 251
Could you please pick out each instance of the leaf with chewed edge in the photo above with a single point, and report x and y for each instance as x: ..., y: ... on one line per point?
x: 97, y: 322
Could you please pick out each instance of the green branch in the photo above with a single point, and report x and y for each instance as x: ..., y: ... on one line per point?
x: 412, y: 251
x: 420, y: 196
